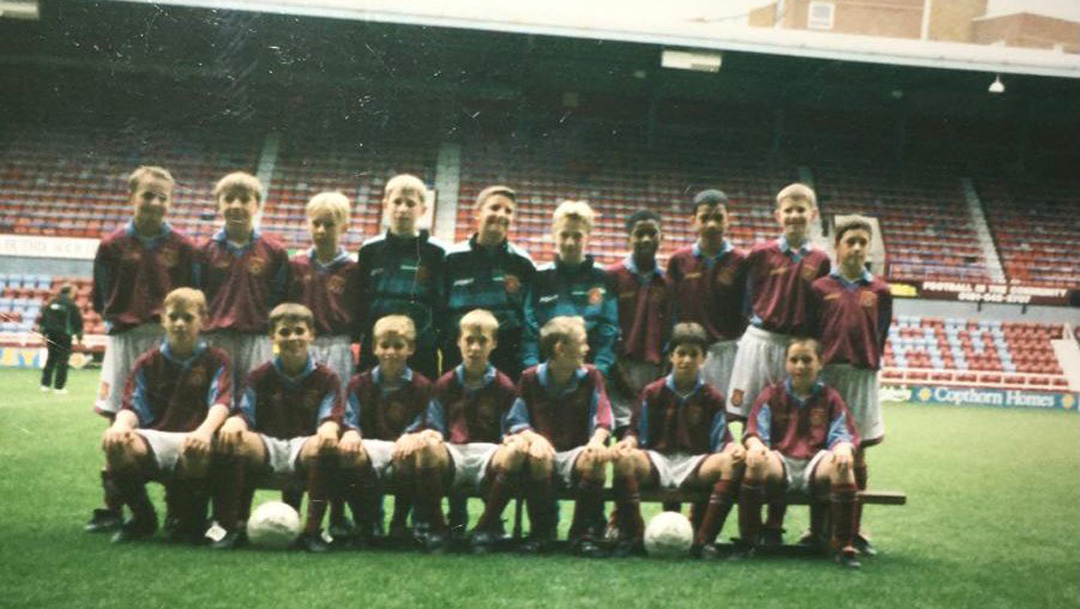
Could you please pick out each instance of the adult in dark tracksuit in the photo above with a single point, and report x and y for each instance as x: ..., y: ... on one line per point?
x: 58, y: 322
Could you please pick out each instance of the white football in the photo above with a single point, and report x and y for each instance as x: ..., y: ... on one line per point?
x: 274, y: 525
x: 669, y: 535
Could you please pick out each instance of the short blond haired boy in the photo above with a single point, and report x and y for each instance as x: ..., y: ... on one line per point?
x: 177, y: 396
x: 244, y: 274
x: 401, y: 273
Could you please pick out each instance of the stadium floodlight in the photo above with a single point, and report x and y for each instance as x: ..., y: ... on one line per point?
x: 20, y: 9
x: 997, y: 86
x: 687, y: 60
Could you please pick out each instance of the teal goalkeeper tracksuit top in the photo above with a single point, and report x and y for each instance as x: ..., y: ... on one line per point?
x: 586, y: 290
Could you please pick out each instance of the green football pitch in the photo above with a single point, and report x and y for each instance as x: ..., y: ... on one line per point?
x: 993, y: 520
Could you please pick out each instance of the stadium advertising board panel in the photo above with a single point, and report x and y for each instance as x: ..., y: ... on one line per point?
x: 979, y: 396
x: 26, y: 246
x: 982, y: 292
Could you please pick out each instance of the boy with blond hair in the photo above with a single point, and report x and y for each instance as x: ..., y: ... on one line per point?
x: 244, y: 274
x: 175, y: 399
x: 573, y: 285
x: 463, y: 434
x: 384, y: 411
x: 134, y: 268
x: 779, y: 274
x: 563, y: 417
x: 488, y: 272
x: 401, y: 273
x: 287, y: 423
x: 678, y: 438
x: 852, y: 312
x: 324, y: 280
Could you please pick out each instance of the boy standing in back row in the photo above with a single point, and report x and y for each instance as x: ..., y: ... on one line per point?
x: 779, y: 274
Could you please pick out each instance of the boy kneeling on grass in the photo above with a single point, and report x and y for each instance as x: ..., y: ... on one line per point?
x: 175, y: 398
x: 287, y: 423
x: 678, y: 438
x: 564, y: 418
x: 800, y: 437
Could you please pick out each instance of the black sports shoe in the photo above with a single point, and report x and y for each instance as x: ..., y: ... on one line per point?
x: 742, y: 550
x: 433, y: 543
x: 135, y: 529
x: 771, y: 537
x: 863, y: 546
x: 236, y: 538
x: 104, y: 520
x: 536, y: 545
x: 312, y: 542
x: 342, y: 528
x: 481, y: 542
x: 628, y: 547
x: 847, y: 558
x: 585, y: 546
x: 704, y: 552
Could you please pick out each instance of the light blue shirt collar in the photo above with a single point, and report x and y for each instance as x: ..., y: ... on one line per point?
x: 724, y: 250
x: 489, y: 375
x: 309, y: 367
x: 167, y: 351
x: 340, y: 257
x: 698, y: 384
x: 803, y: 250
x: 628, y: 262
x: 544, y: 375
x: 377, y: 376
x: 864, y: 279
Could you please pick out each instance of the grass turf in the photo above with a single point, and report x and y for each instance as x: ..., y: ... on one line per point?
x: 993, y: 520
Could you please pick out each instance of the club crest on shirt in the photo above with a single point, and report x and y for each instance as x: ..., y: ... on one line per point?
x: 395, y: 416
x: 485, y: 409
x: 596, y: 296
x: 336, y: 284
x: 169, y: 256
x: 725, y: 275
x: 656, y: 295
x: 197, y: 376
x: 311, y: 399
x: 737, y: 397
x: 867, y: 298
x: 780, y: 270
x: 693, y: 415
x: 221, y: 263
x: 817, y: 417
x: 256, y: 265
x: 511, y: 284
x: 132, y: 255
x: 422, y: 274
x: 832, y: 296
x: 808, y: 272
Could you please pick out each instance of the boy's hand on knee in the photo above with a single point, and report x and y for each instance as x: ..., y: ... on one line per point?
x: 350, y: 443
x: 197, y: 443
x: 540, y: 449
x: 737, y: 454
x: 326, y: 437
x: 624, y: 448
x: 842, y: 458
x: 116, y: 439
x: 406, y: 446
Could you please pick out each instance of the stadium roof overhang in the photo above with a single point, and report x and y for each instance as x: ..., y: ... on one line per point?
x: 678, y: 24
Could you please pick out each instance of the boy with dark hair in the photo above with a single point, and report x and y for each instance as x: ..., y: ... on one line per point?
x: 645, y: 313
x: 287, y: 423
x: 244, y: 273
x: 852, y: 312
x: 800, y: 438
x: 564, y: 418
x: 134, y: 268
x: 678, y: 438
x: 176, y: 397
x: 401, y: 273
x: 488, y: 272
x: 709, y: 280
x: 385, y: 410
x: 573, y: 285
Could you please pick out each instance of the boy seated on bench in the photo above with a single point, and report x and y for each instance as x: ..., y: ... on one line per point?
x: 678, y: 438
x: 287, y: 422
x: 463, y: 433
x: 175, y: 398
x: 564, y: 416
x: 384, y: 411
x: 800, y: 437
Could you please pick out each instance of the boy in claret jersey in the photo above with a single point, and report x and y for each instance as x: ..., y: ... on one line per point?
x: 287, y: 423
x: 175, y: 399
x: 244, y: 274
x: 564, y: 417
x: 801, y: 437
x: 779, y: 274
x: 852, y: 312
x: 134, y: 268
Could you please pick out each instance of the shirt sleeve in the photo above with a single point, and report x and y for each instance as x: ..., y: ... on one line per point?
x: 221, y: 387
x: 137, y: 398
x: 332, y: 408
x: 281, y: 279
x: 639, y: 422
x: 607, y: 331
x: 759, y: 423
x: 352, y: 411
x: 885, y: 304
x: 719, y: 435
x: 517, y: 418
x: 435, y: 417
x: 601, y: 406
x: 530, y: 336
x: 100, y: 290
x: 248, y: 406
x: 841, y: 426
